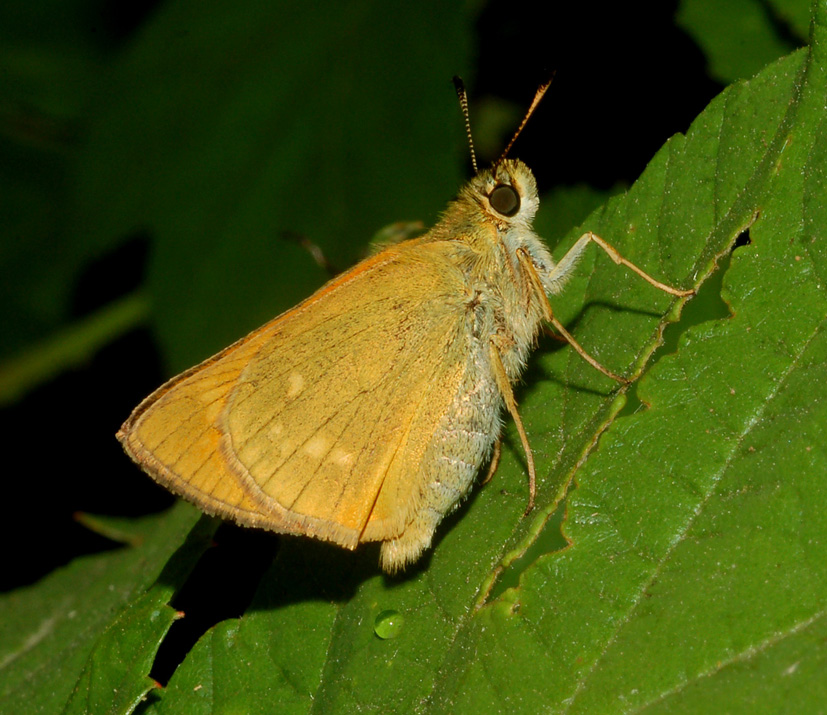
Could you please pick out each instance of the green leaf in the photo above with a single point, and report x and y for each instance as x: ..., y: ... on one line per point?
x: 84, y: 638
x: 741, y: 36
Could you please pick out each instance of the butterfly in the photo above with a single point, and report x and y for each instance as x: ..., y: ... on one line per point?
x: 366, y: 412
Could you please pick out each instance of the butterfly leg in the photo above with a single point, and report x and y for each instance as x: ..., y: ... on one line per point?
x: 495, y: 461
x: 534, y: 277
x: 558, y: 275
x: 504, y: 385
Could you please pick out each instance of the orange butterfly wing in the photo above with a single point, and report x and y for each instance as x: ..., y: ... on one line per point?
x: 317, y: 422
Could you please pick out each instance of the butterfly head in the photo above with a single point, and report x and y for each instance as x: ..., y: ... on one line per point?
x: 506, y: 193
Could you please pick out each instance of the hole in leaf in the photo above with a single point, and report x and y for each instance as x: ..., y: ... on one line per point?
x: 550, y: 539
x: 742, y: 240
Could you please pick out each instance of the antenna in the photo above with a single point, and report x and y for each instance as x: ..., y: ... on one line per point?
x: 459, y: 85
x: 541, y: 90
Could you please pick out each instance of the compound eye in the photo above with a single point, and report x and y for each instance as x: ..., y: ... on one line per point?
x: 505, y: 200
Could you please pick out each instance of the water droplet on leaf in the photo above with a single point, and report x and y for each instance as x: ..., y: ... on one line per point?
x: 388, y: 624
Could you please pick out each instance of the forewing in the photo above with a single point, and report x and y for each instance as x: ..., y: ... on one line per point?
x: 299, y: 426
x: 343, y: 406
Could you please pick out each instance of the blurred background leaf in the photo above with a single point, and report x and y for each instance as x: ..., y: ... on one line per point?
x: 739, y: 37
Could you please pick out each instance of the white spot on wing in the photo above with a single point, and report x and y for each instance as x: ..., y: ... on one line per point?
x: 341, y: 458
x: 316, y: 446
x: 295, y: 384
